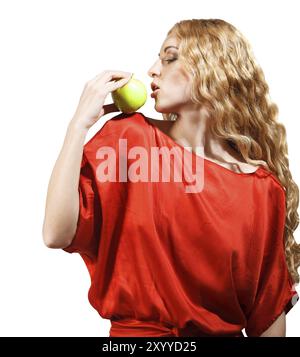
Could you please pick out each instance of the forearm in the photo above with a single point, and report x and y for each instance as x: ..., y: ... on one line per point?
x: 62, y: 202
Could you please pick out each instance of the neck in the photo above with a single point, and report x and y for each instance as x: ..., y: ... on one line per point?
x: 193, y: 129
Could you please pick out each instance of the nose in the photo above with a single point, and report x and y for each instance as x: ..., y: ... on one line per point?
x: 154, y: 69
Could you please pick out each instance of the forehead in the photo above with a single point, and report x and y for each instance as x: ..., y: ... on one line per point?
x: 169, y: 41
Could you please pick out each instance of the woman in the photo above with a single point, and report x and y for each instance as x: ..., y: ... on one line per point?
x: 165, y: 261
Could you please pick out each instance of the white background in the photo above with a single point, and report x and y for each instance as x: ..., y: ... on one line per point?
x: 49, y: 50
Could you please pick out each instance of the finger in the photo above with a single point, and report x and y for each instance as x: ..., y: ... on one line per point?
x: 112, y: 86
x: 107, y: 76
x: 113, y: 75
x: 97, y: 76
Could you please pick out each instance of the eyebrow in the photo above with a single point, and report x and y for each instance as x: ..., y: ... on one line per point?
x: 167, y: 48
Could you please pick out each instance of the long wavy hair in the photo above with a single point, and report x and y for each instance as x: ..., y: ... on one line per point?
x: 228, y: 80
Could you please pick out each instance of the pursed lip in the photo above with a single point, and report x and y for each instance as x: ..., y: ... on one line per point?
x: 154, y: 86
x: 154, y: 93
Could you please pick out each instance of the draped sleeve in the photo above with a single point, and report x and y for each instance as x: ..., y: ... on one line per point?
x: 270, y: 277
x: 86, y: 239
x: 102, y: 197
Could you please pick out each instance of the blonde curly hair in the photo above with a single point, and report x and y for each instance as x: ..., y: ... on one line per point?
x: 230, y: 82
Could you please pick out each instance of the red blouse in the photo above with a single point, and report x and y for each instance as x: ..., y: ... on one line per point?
x: 164, y: 262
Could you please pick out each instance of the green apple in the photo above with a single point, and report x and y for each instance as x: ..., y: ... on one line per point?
x: 131, y: 96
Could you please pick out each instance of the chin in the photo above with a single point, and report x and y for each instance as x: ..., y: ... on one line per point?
x: 164, y: 109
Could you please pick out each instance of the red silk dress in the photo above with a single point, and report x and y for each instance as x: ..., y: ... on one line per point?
x: 164, y: 262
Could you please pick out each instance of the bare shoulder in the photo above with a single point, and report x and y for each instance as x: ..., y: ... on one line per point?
x: 236, y: 163
x: 233, y: 161
x: 247, y: 168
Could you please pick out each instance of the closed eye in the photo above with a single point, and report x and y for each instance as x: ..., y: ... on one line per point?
x: 169, y: 60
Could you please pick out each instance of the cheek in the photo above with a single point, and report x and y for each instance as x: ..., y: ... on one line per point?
x: 173, y: 99
x: 181, y: 90
x: 179, y: 84
x: 179, y: 94
x: 186, y: 80
x: 176, y: 92
x: 182, y: 83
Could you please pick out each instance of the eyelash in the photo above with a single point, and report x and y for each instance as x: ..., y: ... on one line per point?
x: 170, y: 60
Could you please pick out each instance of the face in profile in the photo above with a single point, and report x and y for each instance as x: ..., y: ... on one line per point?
x: 168, y: 73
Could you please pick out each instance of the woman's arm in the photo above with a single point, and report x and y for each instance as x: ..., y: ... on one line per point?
x: 277, y: 329
x: 62, y: 202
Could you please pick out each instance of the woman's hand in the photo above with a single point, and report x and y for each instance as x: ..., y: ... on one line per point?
x: 91, y: 104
